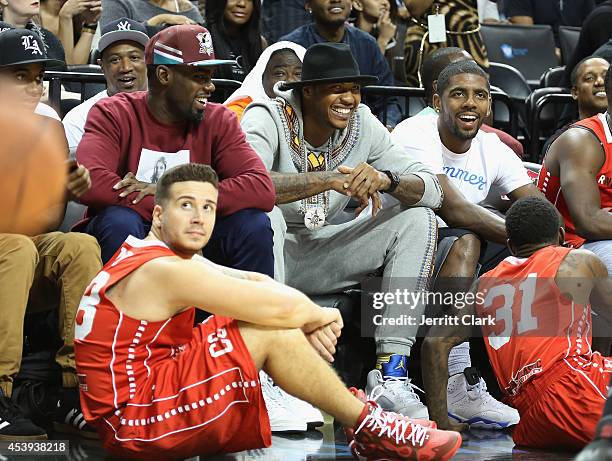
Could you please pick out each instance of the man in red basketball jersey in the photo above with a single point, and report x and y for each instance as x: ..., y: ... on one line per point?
x: 535, y: 318
x: 157, y: 388
x: 577, y: 178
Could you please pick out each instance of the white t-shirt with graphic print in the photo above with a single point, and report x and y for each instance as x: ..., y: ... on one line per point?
x: 488, y: 166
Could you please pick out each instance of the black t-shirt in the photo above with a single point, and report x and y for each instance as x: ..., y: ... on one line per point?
x: 231, y: 48
x: 555, y: 13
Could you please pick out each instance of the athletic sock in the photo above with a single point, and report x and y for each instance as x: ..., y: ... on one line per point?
x: 392, y: 365
x: 459, y: 359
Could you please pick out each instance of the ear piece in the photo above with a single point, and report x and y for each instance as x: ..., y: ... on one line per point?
x: 310, y: 10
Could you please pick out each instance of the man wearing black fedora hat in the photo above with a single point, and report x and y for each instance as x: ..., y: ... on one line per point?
x: 323, y: 148
x: 329, y: 24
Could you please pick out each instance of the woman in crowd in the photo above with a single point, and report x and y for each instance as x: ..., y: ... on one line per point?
x: 75, y: 23
x: 374, y: 17
x: 21, y: 14
x: 236, y: 34
x: 154, y: 14
x: 280, y: 62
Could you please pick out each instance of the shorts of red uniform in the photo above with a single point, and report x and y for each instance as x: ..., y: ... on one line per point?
x: 205, y: 400
x: 561, y: 408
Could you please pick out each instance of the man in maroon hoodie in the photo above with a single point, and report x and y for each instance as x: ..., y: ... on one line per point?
x: 130, y: 137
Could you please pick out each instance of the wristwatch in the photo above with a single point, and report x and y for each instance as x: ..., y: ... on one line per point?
x: 90, y: 27
x: 395, y: 180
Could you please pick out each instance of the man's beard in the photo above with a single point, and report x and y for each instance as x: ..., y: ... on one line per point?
x: 455, y: 130
x: 463, y: 135
x: 196, y: 116
x: 338, y: 23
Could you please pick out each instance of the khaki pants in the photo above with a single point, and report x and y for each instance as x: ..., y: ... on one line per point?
x: 39, y: 273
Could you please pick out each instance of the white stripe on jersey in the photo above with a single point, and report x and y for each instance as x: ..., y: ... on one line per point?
x: 151, y: 342
x: 587, y: 378
x: 112, y: 362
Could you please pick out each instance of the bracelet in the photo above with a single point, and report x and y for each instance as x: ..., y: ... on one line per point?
x: 90, y: 27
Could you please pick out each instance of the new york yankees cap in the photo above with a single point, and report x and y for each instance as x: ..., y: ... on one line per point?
x: 123, y: 29
x: 186, y: 44
x: 23, y: 46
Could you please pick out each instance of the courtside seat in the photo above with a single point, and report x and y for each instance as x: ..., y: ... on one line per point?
x: 554, y: 76
x: 568, y: 39
x: 530, y: 49
x: 546, y: 108
x: 510, y: 81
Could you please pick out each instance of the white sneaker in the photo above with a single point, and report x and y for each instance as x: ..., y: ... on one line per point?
x: 300, y: 408
x: 396, y: 395
x: 281, y: 418
x: 469, y: 402
x: 304, y: 410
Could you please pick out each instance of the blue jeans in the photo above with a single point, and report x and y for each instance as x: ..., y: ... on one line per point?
x: 242, y: 240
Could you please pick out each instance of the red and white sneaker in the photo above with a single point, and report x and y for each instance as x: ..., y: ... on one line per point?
x: 361, y: 395
x: 383, y: 435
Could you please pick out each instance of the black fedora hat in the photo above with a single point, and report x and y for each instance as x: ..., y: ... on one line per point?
x: 329, y: 63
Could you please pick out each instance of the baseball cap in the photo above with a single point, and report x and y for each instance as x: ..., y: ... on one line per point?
x: 22, y: 46
x: 185, y: 44
x: 4, y: 26
x: 123, y: 29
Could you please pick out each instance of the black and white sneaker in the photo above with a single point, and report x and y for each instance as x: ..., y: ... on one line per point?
x: 14, y: 425
x: 69, y: 418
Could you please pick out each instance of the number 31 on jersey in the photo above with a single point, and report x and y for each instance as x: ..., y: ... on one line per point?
x: 507, y: 315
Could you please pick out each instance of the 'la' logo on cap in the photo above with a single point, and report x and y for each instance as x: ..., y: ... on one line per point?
x: 124, y: 26
x: 30, y: 43
x: 206, y: 45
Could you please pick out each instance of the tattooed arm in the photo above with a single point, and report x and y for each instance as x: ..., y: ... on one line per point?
x: 582, y: 277
x: 291, y: 187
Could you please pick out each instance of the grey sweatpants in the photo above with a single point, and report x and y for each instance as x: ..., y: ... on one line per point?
x: 401, y: 241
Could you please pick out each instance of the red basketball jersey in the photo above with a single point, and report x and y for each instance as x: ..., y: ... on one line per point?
x: 535, y: 325
x: 114, y: 351
x: 551, y: 185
